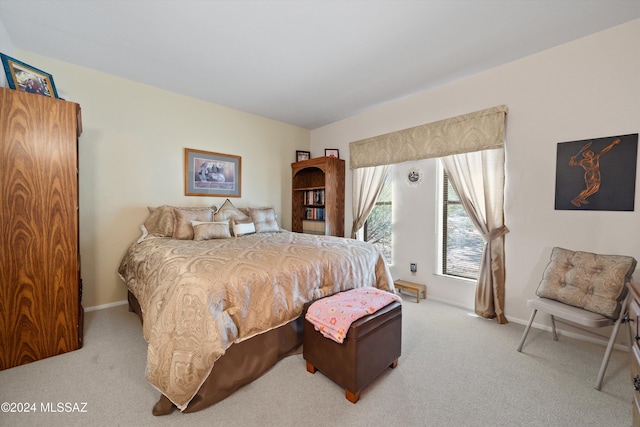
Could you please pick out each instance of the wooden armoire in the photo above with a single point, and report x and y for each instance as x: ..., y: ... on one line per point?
x: 40, y: 286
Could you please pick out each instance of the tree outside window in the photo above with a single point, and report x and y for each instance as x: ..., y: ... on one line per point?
x: 377, y: 228
x: 461, y: 243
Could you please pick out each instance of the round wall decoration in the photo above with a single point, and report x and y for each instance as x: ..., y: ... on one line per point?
x: 414, y: 177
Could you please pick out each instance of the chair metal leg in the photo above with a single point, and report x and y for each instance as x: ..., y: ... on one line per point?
x: 612, y: 340
x: 607, y: 354
x: 553, y: 328
x: 526, y: 330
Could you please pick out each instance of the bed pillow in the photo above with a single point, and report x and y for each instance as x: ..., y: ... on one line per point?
x: 264, y: 219
x: 210, y: 230
x: 242, y: 228
x: 182, y: 228
x: 228, y: 212
x: 159, y: 222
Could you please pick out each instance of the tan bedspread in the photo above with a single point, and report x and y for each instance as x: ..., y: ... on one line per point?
x: 199, y: 297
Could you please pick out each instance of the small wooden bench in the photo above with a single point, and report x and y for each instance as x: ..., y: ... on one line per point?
x: 415, y: 288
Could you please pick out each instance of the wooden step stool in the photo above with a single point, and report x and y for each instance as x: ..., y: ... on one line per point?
x: 415, y: 288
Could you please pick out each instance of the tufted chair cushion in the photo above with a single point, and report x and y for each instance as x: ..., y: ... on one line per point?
x: 587, y: 280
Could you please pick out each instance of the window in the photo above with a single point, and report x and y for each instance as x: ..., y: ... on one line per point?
x: 377, y: 228
x: 461, y: 243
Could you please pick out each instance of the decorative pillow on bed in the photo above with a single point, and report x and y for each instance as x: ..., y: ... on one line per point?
x: 587, y: 280
x: 264, y: 219
x: 210, y: 230
x: 182, y: 228
x: 242, y: 228
x: 160, y: 221
x: 227, y: 212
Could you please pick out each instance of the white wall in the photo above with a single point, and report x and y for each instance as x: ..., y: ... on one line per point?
x: 6, y: 47
x: 131, y: 157
x: 589, y: 88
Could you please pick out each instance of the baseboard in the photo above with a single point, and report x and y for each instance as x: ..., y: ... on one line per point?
x: 103, y: 306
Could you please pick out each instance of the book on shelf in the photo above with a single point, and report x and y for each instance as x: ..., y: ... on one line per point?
x: 314, y: 213
x: 314, y: 197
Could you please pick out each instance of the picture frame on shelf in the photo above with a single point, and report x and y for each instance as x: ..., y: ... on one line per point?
x: 212, y: 174
x: 332, y: 152
x: 302, y: 155
x: 25, y: 78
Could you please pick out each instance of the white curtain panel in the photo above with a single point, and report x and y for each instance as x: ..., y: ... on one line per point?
x: 478, y: 178
x: 367, y: 184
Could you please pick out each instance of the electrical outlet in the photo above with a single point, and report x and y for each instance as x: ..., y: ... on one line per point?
x: 414, y: 267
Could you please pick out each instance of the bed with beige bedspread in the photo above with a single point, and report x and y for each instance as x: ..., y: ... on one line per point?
x: 199, y: 297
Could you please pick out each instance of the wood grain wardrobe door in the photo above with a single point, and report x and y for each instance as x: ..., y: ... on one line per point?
x: 39, y: 279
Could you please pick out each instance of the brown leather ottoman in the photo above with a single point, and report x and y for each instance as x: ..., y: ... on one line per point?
x: 372, y: 344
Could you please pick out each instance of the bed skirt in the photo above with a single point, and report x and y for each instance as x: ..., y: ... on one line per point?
x: 241, y: 364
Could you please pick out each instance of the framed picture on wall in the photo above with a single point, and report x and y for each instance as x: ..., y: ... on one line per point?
x: 597, y: 174
x: 211, y: 174
x: 25, y: 78
x: 302, y: 155
x: 332, y: 152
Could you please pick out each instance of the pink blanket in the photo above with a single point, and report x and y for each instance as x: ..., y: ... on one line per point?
x: 332, y: 316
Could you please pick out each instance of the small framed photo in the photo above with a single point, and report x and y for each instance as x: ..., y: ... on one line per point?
x: 26, y: 78
x: 331, y: 152
x: 211, y: 174
x: 302, y: 155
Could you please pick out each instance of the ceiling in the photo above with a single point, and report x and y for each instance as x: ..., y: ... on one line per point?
x: 304, y: 62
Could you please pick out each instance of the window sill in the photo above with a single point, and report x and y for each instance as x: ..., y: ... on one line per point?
x: 457, y: 278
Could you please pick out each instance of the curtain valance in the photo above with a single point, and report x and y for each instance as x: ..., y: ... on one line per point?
x: 481, y: 130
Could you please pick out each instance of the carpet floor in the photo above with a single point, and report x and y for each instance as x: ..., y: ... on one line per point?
x: 455, y: 370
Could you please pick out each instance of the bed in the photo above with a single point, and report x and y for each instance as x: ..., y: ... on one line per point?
x: 220, y: 307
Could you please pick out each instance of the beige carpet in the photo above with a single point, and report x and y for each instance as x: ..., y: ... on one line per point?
x: 455, y: 370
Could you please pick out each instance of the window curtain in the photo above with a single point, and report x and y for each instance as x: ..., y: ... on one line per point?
x: 478, y: 134
x: 367, y: 184
x: 478, y: 178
